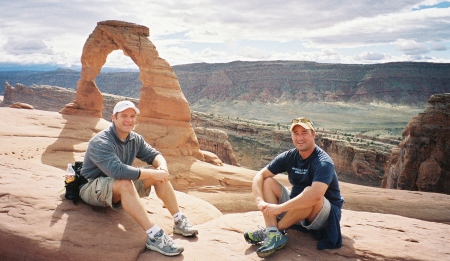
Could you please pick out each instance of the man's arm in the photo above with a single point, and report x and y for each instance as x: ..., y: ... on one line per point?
x: 159, y: 162
x: 160, y: 171
x: 257, y: 186
x: 310, y: 196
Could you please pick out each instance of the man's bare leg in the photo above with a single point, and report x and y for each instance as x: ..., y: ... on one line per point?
x: 166, y: 193
x: 272, y: 191
x: 272, y: 194
x: 294, y: 216
x: 125, y: 192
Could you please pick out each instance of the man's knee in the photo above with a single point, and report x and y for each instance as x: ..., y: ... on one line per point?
x: 272, y: 186
x: 270, y: 183
x: 123, y: 185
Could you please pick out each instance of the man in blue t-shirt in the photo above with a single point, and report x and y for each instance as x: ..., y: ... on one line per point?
x: 314, y: 202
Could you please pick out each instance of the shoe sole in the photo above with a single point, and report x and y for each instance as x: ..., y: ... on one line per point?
x: 185, y: 235
x: 152, y: 248
x: 270, y: 252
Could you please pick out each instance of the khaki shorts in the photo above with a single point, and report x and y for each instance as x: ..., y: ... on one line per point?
x: 321, y: 219
x: 98, y: 192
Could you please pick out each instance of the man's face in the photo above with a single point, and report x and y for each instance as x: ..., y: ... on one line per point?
x: 124, y: 122
x: 303, y: 139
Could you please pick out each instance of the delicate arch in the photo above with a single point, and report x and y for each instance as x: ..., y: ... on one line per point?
x: 164, y: 108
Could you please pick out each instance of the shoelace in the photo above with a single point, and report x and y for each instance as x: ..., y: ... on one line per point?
x: 259, y: 234
x: 184, y: 223
x: 267, y: 240
x: 165, y: 241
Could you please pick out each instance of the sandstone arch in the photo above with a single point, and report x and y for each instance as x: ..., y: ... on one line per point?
x: 164, y: 108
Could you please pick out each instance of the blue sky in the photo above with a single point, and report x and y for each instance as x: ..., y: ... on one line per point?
x: 53, y: 32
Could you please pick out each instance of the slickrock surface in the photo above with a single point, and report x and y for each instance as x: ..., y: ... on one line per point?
x: 37, y: 223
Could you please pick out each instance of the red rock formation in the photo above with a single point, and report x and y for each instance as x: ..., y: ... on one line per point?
x: 358, y: 163
x: 421, y: 160
x: 165, y: 113
x: 216, y: 141
x: 46, y: 98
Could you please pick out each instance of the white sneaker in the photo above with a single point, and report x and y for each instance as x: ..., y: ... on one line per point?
x: 183, y: 227
x: 164, y: 244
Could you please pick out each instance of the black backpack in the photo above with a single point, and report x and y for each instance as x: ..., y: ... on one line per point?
x: 73, y: 188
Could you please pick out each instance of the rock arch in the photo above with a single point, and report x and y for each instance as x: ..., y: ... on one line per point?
x: 165, y: 115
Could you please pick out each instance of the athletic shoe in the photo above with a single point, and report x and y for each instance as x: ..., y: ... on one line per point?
x: 183, y: 227
x: 164, y: 244
x: 255, y: 236
x: 272, y: 243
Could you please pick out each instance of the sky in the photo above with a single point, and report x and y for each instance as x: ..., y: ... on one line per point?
x: 52, y: 32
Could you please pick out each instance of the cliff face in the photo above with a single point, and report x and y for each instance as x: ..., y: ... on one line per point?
x: 281, y: 81
x: 421, y: 161
x: 216, y: 141
x: 46, y: 99
x: 274, y: 82
x: 357, y: 162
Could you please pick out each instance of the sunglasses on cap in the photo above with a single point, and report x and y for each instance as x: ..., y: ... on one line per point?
x: 301, y: 119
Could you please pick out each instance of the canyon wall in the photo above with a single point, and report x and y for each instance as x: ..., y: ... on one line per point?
x: 407, y: 83
x: 421, y: 161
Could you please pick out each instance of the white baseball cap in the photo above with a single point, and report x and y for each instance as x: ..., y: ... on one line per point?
x: 123, y: 105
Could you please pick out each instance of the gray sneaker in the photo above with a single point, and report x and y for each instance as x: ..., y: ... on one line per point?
x: 183, y: 227
x: 164, y: 244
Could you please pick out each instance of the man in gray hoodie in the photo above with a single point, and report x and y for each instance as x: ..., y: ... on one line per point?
x: 114, y: 182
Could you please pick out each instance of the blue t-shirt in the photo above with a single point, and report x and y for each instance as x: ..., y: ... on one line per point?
x: 303, y: 172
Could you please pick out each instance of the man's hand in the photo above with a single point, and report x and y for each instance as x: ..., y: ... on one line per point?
x: 161, y: 175
x: 272, y: 209
x: 261, y: 204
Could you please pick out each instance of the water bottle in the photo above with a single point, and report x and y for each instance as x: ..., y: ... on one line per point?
x: 70, y: 174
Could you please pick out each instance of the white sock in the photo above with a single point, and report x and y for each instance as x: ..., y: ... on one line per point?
x: 272, y: 229
x: 152, y: 231
x: 177, y: 216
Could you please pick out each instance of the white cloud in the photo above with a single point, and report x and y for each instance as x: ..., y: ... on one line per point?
x: 411, y: 47
x: 21, y: 46
x: 183, y: 32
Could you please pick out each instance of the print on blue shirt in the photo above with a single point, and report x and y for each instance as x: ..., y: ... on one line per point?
x: 299, y: 171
